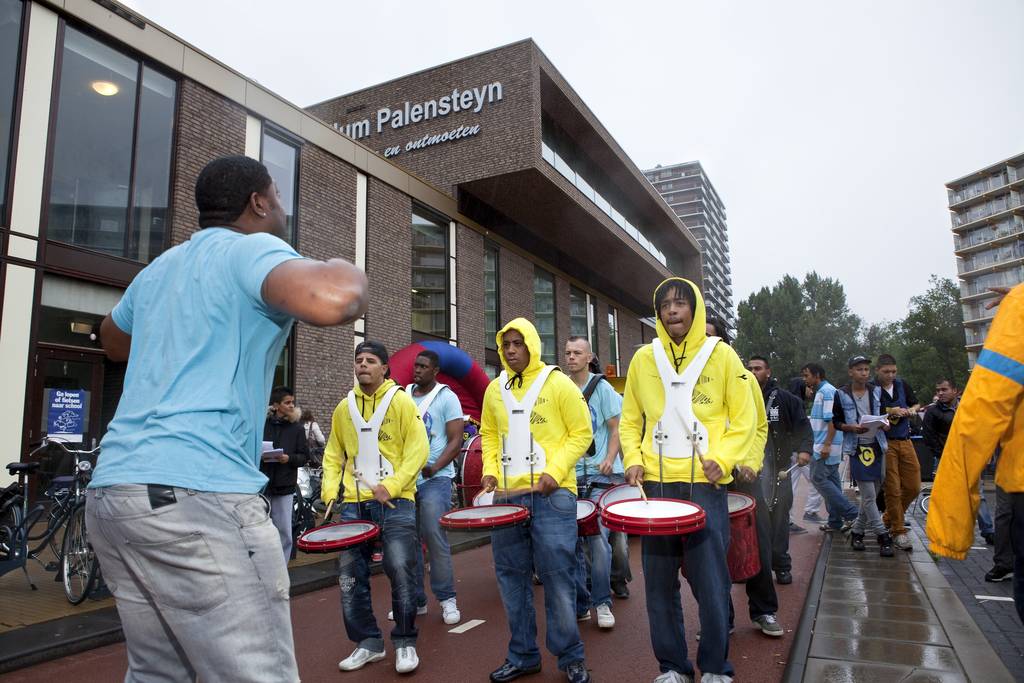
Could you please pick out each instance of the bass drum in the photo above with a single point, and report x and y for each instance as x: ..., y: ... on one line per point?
x: 471, y: 471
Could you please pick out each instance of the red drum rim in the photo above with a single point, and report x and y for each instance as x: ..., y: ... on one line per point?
x: 748, y: 504
x: 601, y: 499
x: 654, y: 525
x: 325, y: 546
x: 510, y: 514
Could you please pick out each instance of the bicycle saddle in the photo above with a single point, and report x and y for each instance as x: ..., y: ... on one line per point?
x: 27, y: 467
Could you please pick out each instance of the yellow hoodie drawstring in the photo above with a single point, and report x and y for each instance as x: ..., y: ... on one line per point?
x: 676, y: 360
x: 511, y: 381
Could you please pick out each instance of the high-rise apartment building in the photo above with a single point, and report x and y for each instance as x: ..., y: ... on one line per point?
x: 692, y: 197
x: 987, y: 208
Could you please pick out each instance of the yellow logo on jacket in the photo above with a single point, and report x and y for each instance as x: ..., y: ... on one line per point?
x: 866, y: 455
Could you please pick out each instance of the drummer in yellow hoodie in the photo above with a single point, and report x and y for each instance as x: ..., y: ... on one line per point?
x: 379, y: 443
x: 693, y: 395
x: 534, y: 426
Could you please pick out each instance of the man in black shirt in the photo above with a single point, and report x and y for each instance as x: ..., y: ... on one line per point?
x: 789, y: 431
x: 938, y: 417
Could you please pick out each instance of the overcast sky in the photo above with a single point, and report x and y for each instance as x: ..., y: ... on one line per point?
x: 828, y: 129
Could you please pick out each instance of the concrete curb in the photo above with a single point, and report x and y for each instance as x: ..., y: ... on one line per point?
x: 70, y: 635
x: 799, y: 651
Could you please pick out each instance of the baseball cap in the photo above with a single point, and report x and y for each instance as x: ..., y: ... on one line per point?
x: 374, y: 347
x: 857, y: 360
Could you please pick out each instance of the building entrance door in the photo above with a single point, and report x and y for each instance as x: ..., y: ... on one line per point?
x: 67, y: 396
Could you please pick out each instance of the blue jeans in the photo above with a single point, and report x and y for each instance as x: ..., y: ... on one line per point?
x: 548, y: 542
x: 401, y: 545
x: 826, y: 480
x: 708, y: 574
x: 985, y: 524
x: 433, y: 499
x: 593, y: 556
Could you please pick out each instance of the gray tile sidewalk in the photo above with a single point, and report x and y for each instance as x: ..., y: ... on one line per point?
x: 893, y: 619
x: 997, y: 620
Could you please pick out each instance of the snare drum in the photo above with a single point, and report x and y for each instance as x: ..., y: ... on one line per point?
x: 653, y: 517
x: 587, y: 522
x: 617, y: 493
x: 484, y: 517
x: 744, y: 557
x: 337, y: 536
x: 472, y: 471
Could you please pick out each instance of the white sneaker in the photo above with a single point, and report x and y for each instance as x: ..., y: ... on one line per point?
x: 715, y: 678
x: 450, y: 612
x: 420, y: 611
x: 360, y: 658
x: 902, y: 541
x: 406, y: 659
x: 673, y: 677
x: 605, y: 618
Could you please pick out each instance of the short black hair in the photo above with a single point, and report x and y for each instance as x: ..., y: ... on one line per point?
x: 760, y: 358
x: 721, y: 329
x: 885, y: 359
x: 577, y: 337
x: 435, y: 360
x: 815, y: 369
x: 278, y: 393
x: 666, y: 287
x: 224, y: 186
x: 946, y: 380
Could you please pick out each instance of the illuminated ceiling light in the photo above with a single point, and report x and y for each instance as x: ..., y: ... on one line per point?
x: 105, y: 88
x: 80, y: 327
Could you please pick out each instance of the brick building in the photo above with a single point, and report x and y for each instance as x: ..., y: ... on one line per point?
x: 506, y: 197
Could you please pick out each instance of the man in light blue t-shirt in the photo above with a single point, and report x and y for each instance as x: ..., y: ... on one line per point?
x: 443, y: 419
x: 597, y: 470
x: 828, y: 451
x: 174, y: 512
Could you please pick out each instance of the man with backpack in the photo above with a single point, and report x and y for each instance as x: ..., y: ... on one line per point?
x: 599, y: 468
x: 902, y: 468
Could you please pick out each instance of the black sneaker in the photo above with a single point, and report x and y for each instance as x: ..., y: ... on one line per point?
x: 620, y: 590
x: 997, y: 574
x: 857, y: 541
x: 990, y: 539
x: 796, y: 529
x: 784, y: 578
x: 577, y: 672
x: 509, y: 672
x: 885, y: 545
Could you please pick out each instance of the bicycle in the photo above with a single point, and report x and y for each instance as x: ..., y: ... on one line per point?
x: 76, y: 562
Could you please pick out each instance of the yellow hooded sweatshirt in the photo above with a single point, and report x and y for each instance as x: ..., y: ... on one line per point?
x: 402, y: 441
x: 560, y: 421
x: 722, y: 402
x: 755, y: 457
x: 990, y: 414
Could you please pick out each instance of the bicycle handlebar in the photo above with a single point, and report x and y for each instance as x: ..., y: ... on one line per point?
x: 49, y: 440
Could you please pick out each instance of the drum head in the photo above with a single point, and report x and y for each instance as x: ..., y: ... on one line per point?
x: 585, y: 508
x: 336, y: 536
x: 484, y: 517
x: 656, y: 509
x: 617, y: 493
x: 739, y: 503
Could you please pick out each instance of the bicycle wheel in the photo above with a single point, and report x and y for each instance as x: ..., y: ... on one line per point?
x: 10, y: 528
x: 926, y: 501
x: 78, y: 561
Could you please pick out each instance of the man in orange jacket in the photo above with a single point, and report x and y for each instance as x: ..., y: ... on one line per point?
x: 991, y: 413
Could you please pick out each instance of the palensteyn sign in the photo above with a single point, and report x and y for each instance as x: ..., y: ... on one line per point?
x: 459, y: 100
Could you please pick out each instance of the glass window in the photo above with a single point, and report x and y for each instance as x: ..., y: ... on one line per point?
x: 491, y: 308
x: 578, y: 313
x: 97, y: 145
x: 282, y: 160
x: 593, y: 321
x: 613, y: 338
x: 544, y: 313
x: 429, y: 274
x: 10, y: 44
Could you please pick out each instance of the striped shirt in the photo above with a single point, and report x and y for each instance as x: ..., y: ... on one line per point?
x: 821, y: 418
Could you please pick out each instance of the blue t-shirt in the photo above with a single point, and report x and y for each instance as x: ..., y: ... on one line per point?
x: 605, y: 403
x: 203, y: 351
x: 821, y: 418
x: 444, y: 409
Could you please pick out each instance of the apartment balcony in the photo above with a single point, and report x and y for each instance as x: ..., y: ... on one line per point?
x: 988, y: 237
x: 979, y: 286
x: 990, y: 261
x: 990, y: 212
x: 985, y: 190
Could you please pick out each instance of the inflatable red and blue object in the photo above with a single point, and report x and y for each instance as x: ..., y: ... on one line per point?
x: 458, y: 370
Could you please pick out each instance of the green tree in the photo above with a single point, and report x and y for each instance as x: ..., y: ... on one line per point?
x: 929, y: 342
x: 795, y: 322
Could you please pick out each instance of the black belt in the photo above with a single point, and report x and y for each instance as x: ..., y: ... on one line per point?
x: 898, y: 438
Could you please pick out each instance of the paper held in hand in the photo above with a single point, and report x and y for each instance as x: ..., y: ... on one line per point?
x: 270, y: 454
x: 873, y: 423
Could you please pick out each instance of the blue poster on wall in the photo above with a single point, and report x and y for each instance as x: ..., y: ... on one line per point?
x: 65, y: 414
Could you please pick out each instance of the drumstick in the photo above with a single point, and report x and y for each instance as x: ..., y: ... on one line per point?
x: 643, y: 494
x: 370, y: 486
x: 702, y: 465
x: 330, y: 508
